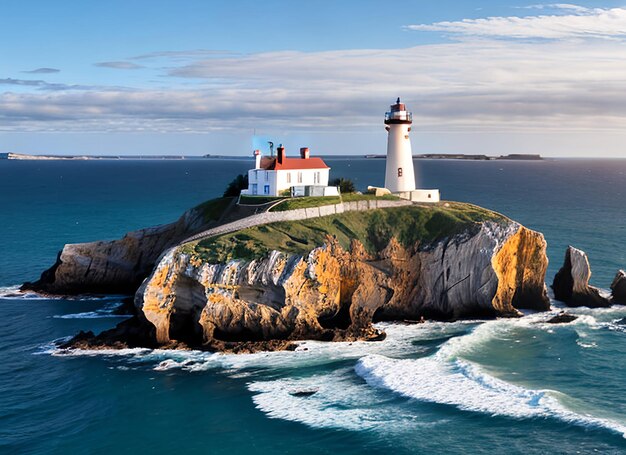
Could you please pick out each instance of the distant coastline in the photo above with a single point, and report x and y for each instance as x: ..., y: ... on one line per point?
x: 430, y: 156
x: 22, y: 156
x: 462, y: 156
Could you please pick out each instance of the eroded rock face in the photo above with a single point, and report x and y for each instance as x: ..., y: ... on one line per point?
x: 571, y: 283
x: 618, y: 288
x: 115, y: 267
x: 335, y: 294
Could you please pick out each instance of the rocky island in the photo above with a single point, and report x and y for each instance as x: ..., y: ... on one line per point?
x: 236, y: 277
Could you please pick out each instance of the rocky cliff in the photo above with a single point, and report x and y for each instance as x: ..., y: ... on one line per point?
x: 119, y: 266
x: 571, y: 283
x: 331, y: 277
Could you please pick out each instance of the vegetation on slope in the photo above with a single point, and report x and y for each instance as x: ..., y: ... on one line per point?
x: 410, y: 225
x: 258, y: 200
x: 213, y: 209
x: 235, y: 187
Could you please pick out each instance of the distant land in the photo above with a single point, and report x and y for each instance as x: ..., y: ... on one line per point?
x: 461, y: 156
x: 429, y: 156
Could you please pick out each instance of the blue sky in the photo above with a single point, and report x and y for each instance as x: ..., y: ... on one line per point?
x: 196, y: 77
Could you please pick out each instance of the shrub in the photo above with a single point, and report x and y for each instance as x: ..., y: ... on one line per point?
x: 345, y: 185
x: 234, y: 188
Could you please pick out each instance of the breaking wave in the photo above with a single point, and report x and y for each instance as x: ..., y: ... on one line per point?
x: 446, y: 378
x: 335, y: 400
x: 355, y: 396
x: 108, y: 311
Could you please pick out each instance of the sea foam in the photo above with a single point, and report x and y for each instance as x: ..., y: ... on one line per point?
x: 446, y: 378
x: 108, y: 311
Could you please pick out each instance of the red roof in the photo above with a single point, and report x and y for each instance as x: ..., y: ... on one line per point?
x: 292, y: 164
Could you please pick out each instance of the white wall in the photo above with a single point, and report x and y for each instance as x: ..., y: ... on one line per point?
x: 399, y: 156
x: 308, y: 178
x: 278, y: 181
x: 420, y: 195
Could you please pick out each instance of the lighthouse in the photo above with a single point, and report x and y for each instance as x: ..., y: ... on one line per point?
x: 399, y: 175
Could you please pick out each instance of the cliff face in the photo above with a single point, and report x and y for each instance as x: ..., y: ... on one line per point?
x: 335, y: 292
x: 119, y: 266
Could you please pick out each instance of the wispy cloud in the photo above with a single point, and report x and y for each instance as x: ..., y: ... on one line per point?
x: 42, y: 71
x: 577, y: 22
x: 558, y: 6
x: 119, y: 65
x: 43, y: 85
x: 477, y: 85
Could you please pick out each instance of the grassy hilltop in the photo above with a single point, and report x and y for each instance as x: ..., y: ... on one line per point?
x: 373, y: 228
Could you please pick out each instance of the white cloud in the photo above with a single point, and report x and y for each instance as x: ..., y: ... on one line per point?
x: 558, y: 6
x: 478, y: 85
x: 43, y: 71
x: 579, y: 23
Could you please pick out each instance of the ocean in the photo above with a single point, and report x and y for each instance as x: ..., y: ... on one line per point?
x: 502, y: 386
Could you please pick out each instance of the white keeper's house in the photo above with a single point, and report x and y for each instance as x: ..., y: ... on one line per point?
x: 287, y: 176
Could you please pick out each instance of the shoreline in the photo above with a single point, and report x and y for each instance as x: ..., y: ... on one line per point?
x: 429, y: 156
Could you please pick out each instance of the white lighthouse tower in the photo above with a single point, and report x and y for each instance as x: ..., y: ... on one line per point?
x: 399, y: 176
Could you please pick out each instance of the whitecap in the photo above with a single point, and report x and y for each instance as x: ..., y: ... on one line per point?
x: 14, y: 293
x: 465, y: 386
x: 90, y: 315
x: 109, y: 311
x: 126, y: 352
x: 400, y: 341
x: 333, y: 400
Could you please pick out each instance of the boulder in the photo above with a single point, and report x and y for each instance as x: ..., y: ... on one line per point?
x: 618, y: 288
x: 571, y: 283
x: 562, y: 318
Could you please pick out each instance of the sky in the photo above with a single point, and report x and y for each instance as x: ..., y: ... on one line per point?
x: 193, y: 77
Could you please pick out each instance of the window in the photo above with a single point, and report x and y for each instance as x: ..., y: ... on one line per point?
x: 316, y: 178
x: 299, y: 177
x: 399, y: 172
x: 267, y: 176
x: 255, y: 188
x: 288, y: 177
x: 266, y: 189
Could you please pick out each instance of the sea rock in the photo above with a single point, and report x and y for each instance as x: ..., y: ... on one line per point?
x: 562, y: 318
x: 571, y: 283
x: 119, y: 266
x: 335, y: 293
x: 618, y: 288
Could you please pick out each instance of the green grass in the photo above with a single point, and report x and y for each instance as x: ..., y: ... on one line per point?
x: 213, y: 209
x: 368, y: 197
x: 306, y: 202
x: 258, y: 200
x: 410, y: 225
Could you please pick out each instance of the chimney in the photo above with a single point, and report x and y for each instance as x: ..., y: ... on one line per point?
x: 257, y: 159
x: 280, y: 153
x: 304, y: 153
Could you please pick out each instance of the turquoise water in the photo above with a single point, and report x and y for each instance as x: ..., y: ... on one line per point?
x: 502, y: 386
